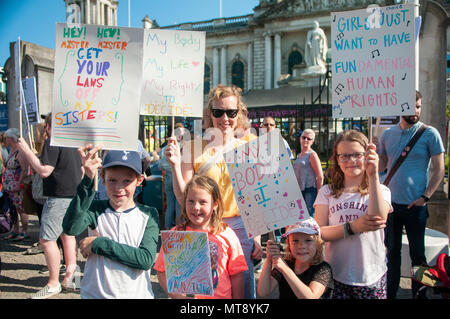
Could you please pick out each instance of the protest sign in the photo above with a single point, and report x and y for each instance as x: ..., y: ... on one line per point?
x: 3, y: 117
x: 373, y: 61
x: 173, y: 73
x: 29, y: 92
x: 265, y: 185
x: 187, y: 262
x: 96, y: 89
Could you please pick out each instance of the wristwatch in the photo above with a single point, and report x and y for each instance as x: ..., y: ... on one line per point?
x: 426, y: 199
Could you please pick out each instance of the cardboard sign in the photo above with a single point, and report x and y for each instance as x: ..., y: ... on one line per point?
x: 265, y: 185
x: 373, y: 62
x: 187, y: 262
x: 29, y: 92
x: 96, y: 90
x: 174, y: 64
x: 3, y: 117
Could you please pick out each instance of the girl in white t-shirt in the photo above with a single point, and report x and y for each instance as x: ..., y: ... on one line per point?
x: 351, y: 212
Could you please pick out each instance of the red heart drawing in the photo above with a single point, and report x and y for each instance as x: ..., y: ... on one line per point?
x: 195, y: 63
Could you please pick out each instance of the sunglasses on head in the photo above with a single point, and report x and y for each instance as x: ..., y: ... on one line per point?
x: 219, y: 113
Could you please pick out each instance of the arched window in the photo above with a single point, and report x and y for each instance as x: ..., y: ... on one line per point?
x: 237, y: 74
x: 294, y: 58
x: 207, y: 79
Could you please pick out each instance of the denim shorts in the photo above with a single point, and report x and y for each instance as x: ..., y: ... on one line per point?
x: 52, y: 217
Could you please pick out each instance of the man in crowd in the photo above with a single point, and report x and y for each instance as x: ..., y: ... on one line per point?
x: 60, y: 168
x: 411, y: 186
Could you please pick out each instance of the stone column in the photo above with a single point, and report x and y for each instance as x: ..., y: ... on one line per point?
x: 102, y: 13
x: 277, y: 59
x: 87, y: 13
x: 223, y: 65
x: 250, y: 66
x: 215, y: 67
x: 99, y: 8
x: 82, y: 13
x: 268, y: 60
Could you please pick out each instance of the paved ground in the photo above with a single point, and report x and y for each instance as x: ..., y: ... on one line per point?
x: 20, y: 275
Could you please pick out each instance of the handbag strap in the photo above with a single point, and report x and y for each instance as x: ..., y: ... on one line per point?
x: 405, y: 153
x: 215, y: 158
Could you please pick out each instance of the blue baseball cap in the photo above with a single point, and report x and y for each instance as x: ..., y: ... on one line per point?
x: 128, y: 159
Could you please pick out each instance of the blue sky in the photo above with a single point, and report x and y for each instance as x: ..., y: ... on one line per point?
x: 34, y: 20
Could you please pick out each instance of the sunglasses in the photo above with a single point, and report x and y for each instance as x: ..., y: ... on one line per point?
x: 307, y: 138
x: 268, y: 124
x: 219, y: 113
x: 346, y: 157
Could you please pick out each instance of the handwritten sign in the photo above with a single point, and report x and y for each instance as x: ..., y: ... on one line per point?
x: 264, y: 185
x: 29, y: 92
x: 373, y: 62
x: 187, y: 262
x: 173, y: 73
x: 96, y: 90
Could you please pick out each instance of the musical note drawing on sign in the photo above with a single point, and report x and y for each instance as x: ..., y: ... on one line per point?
x: 405, y: 105
x: 340, y: 36
x: 404, y: 77
x: 375, y: 51
x: 338, y: 89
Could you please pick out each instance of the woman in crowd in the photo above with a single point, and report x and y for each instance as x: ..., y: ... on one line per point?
x: 308, y: 170
x: 224, y: 115
x: 16, y: 168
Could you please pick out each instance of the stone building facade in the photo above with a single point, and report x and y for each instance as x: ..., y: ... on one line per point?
x: 264, y: 53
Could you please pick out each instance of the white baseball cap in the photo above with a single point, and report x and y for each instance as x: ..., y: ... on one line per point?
x: 307, y: 226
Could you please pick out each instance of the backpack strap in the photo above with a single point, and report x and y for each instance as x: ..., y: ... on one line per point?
x: 405, y: 153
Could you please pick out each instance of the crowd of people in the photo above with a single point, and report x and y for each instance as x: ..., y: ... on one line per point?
x: 347, y: 248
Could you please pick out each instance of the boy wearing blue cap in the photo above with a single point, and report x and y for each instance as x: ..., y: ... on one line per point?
x: 123, y: 235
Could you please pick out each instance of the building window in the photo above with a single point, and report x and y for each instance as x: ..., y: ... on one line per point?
x: 237, y: 74
x: 294, y: 58
x: 207, y: 79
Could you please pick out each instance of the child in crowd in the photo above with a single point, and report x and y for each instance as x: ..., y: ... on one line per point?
x: 302, y: 273
x: 202, y: 211
x: 123, y: 235
x: 352, y: 212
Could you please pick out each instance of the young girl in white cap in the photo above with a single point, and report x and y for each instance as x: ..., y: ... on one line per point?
x: 302, y: 273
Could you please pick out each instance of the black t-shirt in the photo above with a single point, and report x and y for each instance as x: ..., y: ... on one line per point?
x: 66, y: 176
x: 321, y: 273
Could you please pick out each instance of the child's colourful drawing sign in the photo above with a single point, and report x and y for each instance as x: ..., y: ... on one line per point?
x: 187, y: 262
x: 373, y: 61
x: 173, y: 73
x: 96, y: 89
x: 264, y: 185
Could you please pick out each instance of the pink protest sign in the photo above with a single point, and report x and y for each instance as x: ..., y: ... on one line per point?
x: 264, y: 185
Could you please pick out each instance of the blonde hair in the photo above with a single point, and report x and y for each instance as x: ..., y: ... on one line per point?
x: 318, y: 257
x: 335, y: 174
x: 209, y: 185
x: 223, y: 91
x: 310, y: 131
